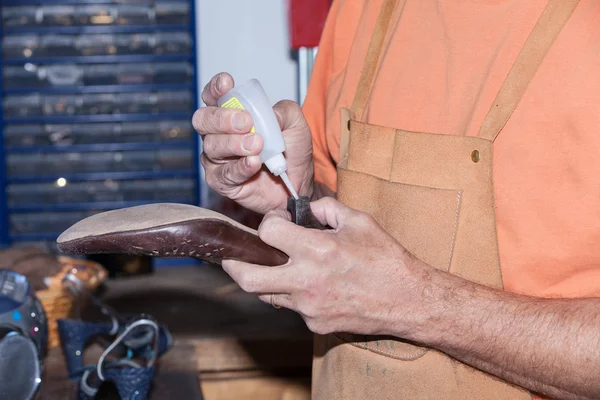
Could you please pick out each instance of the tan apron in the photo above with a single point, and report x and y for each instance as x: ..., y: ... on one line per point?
x: 434, y: 194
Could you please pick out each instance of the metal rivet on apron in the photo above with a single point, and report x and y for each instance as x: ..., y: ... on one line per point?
x: 475, y: 156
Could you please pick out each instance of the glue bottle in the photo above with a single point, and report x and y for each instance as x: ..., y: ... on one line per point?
x: 252, y: 98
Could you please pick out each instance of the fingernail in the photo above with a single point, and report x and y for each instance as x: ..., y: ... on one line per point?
x: 251, y: 160
x: 219, y: 83
x: 239, y: 121
x: 248, y: 142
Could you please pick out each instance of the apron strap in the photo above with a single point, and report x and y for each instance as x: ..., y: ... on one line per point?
x: 549, y: 25
x: 372, y: 59
x: 555, y: 16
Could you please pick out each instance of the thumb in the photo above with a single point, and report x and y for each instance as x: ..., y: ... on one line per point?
x: 290, y: 115
x: 296, y: 133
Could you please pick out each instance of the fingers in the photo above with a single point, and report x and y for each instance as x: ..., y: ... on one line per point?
x: 330, y: 212
x: 225, y: 133
x: 218, y: 86
x: 209, y: 120
x: 228, y: 174
x: 222, y: 146
x: 260, y: 279
x: 279, y: 300
x: 277, y: 230
x: 279, y: 213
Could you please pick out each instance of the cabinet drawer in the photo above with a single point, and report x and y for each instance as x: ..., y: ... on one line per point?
x: 21, y: 46
x: 101, y: 191
x: 172, y: 12
x: 24, y: 165
x: 69, y: 134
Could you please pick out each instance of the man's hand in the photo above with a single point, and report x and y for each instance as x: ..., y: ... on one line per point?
x: 230, y: 153
x: 357, y: 279
x: 343, y: 280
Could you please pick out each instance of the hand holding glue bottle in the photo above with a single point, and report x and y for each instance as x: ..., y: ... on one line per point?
x: 252, y: 98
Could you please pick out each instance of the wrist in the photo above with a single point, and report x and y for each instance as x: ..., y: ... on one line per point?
x: 427, y: 311
x: 449, y: 308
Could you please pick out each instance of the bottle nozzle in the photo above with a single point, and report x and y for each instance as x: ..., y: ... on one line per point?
x: 288, y: 184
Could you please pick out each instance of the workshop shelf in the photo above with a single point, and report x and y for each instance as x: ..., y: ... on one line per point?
x: 97, y: 99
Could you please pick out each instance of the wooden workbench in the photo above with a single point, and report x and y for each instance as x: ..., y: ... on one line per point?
x: 228, y: 343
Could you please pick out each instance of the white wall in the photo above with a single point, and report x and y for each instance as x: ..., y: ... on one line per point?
x: 249, y: 39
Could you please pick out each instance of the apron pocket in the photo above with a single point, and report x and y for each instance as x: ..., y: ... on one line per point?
x: 423, y: 219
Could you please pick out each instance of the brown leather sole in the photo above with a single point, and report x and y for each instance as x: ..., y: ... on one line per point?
x: 169, y: 230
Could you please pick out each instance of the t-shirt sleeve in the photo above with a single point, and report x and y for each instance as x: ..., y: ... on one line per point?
x: 315, y: 103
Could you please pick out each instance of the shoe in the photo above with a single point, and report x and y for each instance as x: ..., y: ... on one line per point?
x: 169, y: 230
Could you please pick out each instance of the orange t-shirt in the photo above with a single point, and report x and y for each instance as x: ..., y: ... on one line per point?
x: 442, y: 66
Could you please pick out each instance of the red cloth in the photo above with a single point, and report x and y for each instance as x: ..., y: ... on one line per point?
x: 307, y: 19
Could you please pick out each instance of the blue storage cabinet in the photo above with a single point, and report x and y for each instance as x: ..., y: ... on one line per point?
x: 97, y: 99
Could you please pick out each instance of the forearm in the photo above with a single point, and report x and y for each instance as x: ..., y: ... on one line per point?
x: 550, y: 346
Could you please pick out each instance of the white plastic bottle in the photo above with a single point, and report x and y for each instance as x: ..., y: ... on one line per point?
x: 252, y: 98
